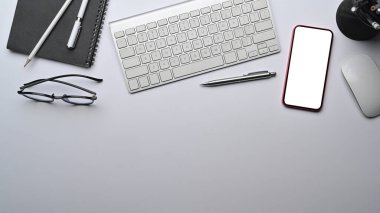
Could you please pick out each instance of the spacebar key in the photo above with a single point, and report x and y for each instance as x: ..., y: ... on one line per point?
x: 198, y: 66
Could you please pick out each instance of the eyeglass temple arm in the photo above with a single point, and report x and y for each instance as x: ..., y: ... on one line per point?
x: 73, y: 85
x: 39, y: 81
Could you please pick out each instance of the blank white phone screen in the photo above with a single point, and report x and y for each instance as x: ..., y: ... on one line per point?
x: 308, y: 67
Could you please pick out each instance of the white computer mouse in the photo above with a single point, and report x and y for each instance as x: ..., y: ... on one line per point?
x: 363, y: 77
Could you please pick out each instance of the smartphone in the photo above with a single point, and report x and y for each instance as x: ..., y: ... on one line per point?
x: 307, y: 68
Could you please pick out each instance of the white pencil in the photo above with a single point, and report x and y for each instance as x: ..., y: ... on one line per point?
x: 48, y: 31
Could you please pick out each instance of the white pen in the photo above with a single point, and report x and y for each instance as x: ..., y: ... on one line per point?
x: 77, y: 25
x: 48, y: 31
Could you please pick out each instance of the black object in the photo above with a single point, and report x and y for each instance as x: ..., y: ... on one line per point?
x: 32, y: 17
x: 351, y: 24
x: 72, y: 99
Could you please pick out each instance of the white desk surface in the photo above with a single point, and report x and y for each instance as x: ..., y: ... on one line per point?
x: 184, y: 148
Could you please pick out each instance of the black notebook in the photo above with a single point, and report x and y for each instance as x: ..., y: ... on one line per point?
x: 32, y: 18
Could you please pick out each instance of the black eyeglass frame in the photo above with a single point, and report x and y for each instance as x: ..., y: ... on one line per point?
x: 66, y: 98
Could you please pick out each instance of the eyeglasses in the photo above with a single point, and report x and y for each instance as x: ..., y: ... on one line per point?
x: 71, y: 99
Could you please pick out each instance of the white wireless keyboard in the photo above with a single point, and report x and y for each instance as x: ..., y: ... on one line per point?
x: 188, y: 39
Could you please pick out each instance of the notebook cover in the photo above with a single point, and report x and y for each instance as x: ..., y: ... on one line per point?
x: 32, y: 18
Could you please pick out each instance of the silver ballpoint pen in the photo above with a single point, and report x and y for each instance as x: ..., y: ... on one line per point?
x: 245, y: 78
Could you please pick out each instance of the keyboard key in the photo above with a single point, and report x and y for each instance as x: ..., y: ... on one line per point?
x: 259, y: 4
x: 187, y: 47
x: 230, y: 57
x: 205, y: 10
x: 184, y: 16
x: 162, y: 22
x: 152, y: 34
x: 140, y: 28
x: 202, y: 31
x: 206, y: 52
x: 260, y: 37
x: 273, y: 48
x: 195, y: 56
x: 271, y: 42
x: 142, y: 37
x: 227, y: 4
x: 181, y: 37
x: 236, y: 11
x: 212, y: 28
x: 242, y: 54
x: 192, y: 34
x: 132, y: 40
x: 166, y: 53
x: 119, y: 34
x: 246, y: 8
x: 252, y: 54
x: 156, y: 55
x: 194, y: 13
x: 151, y: 25
x: 216, y: 7
x: 164, y: 64
x: 228, y: 35
x: 236, y: 2
x: 249, y: 29
x: 264, y: 14
x: 239, y: 32
x: 207, y: 41
x: 153, y: 67
x: 150, y: 46
x: 264, y: 25
x: 184, y: 25
x: 185, y: 59
x: 226, y: 47
x: 236, y: 44
x: 161, y: 43
x: 144, y: 82
x: 261, y: 46
x: 173, y: 28
x: 244, y: 20
x: 174, y: 62
x: 218, y: 38
x: 216, y: 50
x: 198, y: 66
x: 215, y: 17
x: 233, y: 23
x: 154, y: 79
x: 254, y: 17
x: 226, y: 14
x: 163, y: 31
x: 130, y: 31
x: 138, y: 71
x: 223, y: 26
x: 131, y: 62
x: 121, y: 43
x: 133, y: 84
x: 127, y: 52
x: 176, y: 50
x: 194, y: 23
x: 246, y: 41
x: 197, y: 44
x: 205, y: 20
x: 145, y: 58
x: 166, y: 76
x: 263, y: 51
x: 140, y: 49
x: 171, y: 40
x: 173, y: 19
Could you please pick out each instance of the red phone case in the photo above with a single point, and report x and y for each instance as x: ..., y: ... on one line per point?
x: 287, y: 70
